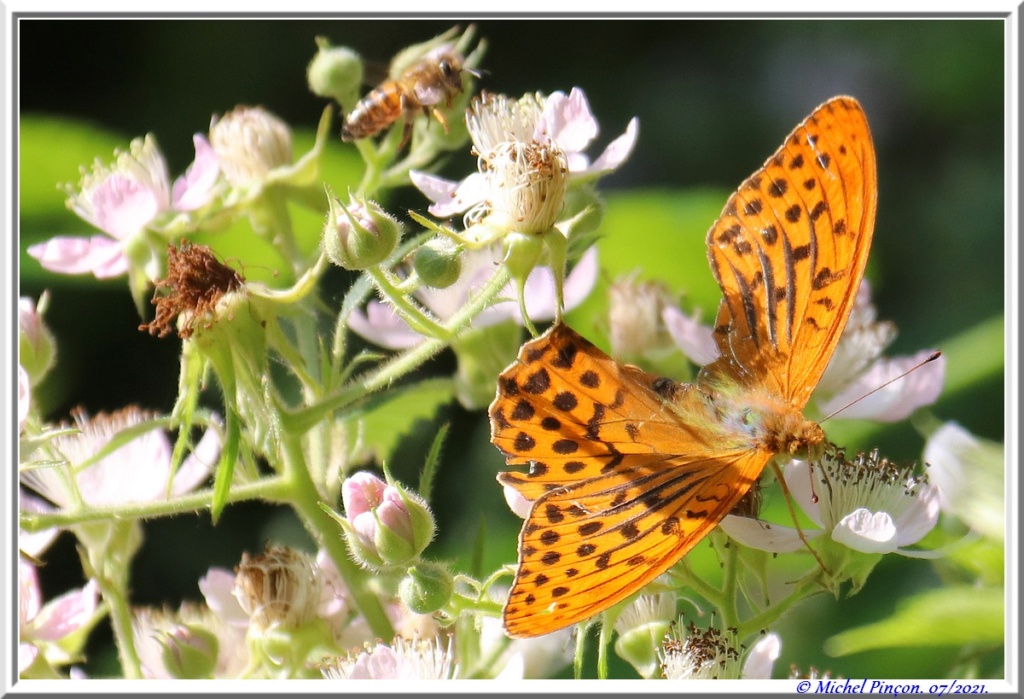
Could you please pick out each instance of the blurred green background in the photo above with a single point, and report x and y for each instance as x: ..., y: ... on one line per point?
x: 714, y: 99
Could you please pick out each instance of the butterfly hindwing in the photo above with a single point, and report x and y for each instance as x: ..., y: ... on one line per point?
x: 622, y: 486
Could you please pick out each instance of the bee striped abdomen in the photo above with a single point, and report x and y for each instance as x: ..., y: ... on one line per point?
x: 380, y: 108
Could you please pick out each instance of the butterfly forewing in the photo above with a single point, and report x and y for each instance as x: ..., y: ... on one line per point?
x: 789, y: 252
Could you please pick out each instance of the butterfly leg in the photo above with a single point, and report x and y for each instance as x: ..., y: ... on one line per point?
x: 792, y: 513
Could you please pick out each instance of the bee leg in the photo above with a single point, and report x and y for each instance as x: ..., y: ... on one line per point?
x: 440, y: 118
x: 406, y: 133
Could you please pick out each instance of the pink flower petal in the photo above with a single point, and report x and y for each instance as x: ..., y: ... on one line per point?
x: 67, y: 255
x: 67, y: 613
x: 896, y: 401
x: 24, y: 397
x: 30, y: 596
x: 450, y: 198
x: 539, y: 290
x: 618, y: 151
x: 195, y: 188
x: 382, y: 326
x: 568, y: 121
x: 198, y: 466
x: 218, y: 587
x: 123, y: 206
x: 27, y: 654
x: 696, y: 341
x: 519, y: 505
x: 34, y: 543
x: 360, y: 493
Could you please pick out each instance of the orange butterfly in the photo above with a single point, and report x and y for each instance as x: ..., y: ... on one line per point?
x: 629, y: 471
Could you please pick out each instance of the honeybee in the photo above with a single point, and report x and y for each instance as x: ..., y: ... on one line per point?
x: 435, y: 79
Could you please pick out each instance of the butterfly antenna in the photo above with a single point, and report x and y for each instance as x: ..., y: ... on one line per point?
x: 931, y: 358
x: 792, y: 513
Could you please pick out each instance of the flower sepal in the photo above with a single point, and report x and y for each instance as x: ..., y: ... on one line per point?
x: 359, y: 235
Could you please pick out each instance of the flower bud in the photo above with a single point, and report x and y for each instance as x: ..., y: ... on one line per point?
x: 250, y: 142
x: 279, y: 587
x: 36, y: 345
x: 359, y: 235
x: 385, y: 525
x: 438, y: 263
x: 336, y: 72
x: 426, y: 587
x: 189, y: 652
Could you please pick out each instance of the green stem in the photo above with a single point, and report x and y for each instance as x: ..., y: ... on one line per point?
x: 304, y: 497
x: 121, y: 621
x: 769, y: 616
x: 266, y: 489
x: 401, y: 364
x: 730, y: 617
x: 409, y: 311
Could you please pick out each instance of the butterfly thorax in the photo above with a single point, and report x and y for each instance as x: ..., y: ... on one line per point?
x: 766, y: 421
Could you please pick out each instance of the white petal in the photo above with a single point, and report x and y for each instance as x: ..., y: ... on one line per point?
x: 697, y: 341
x: 513, y: 669
x: 896, y: 401
x: 969, y: 473
x: 764, y: 536
x: 800, y: 487
x: 866, y: 531
x: 762, y: 657
x: 66, y: 613
x: 920, y: 516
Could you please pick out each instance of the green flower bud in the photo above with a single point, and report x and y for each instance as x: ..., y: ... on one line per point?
x: 438, y: 263
x: 190, y: 652
x: 336, y: 72
x: 359, y: 235
x: 426, y: 587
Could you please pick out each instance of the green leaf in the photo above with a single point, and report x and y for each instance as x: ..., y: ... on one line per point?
x: 433, y: 460
x: 226, y: 466
x: 394, y: 413
x: 954, y: 616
